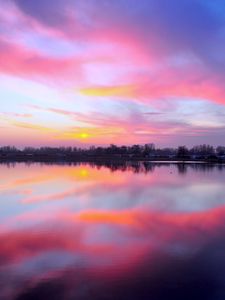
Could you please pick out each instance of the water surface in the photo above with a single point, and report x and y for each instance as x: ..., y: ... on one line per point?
x: 124, y: 231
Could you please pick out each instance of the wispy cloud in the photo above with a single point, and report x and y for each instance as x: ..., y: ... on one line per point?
x: 97, y: 54
x: 32, y: 126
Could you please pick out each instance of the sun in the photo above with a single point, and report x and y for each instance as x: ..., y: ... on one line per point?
x: 83, y: 135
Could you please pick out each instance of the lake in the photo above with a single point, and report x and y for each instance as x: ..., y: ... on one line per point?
x: 112, y: 231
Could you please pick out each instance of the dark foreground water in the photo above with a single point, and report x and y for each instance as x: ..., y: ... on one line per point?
x: 139, y: 231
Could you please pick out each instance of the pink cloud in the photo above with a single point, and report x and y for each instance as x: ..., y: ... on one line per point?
x: 21, y: 61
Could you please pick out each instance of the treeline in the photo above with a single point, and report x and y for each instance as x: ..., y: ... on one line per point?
x: 134, y: 152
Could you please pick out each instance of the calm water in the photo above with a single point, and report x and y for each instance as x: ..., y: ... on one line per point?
x: 136, y: 231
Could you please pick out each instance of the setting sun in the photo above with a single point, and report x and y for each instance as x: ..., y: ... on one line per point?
x: 83, y: 135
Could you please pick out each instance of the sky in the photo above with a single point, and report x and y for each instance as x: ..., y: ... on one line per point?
x: 97, y: 72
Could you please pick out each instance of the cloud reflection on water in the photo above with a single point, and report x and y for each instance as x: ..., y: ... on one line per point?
x: 94, y: 244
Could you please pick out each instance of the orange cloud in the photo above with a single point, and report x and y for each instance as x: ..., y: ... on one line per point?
x: 124, y: 91
x: 166, y: 83
x: 33, y: 126
x: 114, y: 217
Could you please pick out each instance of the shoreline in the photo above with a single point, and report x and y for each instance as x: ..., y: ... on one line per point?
x: 111, y: 160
